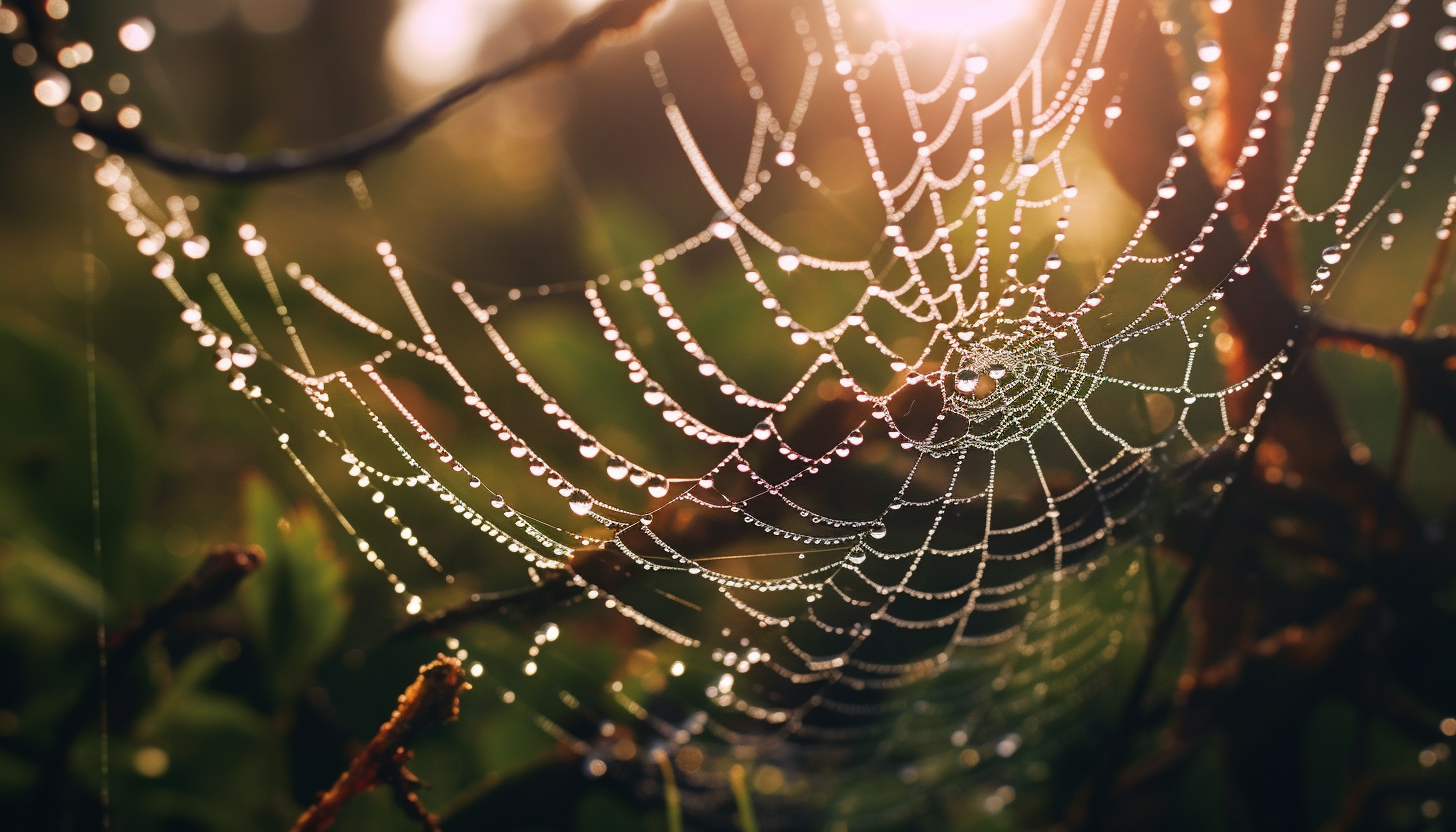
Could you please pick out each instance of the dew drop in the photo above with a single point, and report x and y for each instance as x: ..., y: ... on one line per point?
x: 996, y: 371
x: 53, y: 89
x: 589, y: 448
x: 965, y: 380
x: 788, y: 259
x: 580, y: 502
x: 762, y: 430
x: 245, y: 356
x: 721, y: 226
x: 1331, y: 255
x: 196, y: 247
x: 1167, y: 190
x: 137, y: 34
x: 878, y: 531
x: 1243, y: 267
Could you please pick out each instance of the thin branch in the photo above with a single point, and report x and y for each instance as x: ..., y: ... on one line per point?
x: 434, y: 697
x: 222, y: 570
x: 1420, y: 305
x: 1096, y: 801
x: 557, y: 588
x: 578, y: 38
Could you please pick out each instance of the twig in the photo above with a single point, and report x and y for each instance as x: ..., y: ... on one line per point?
x: 574, y: 41
x: 557, y: 588
x: 434, y: 697
x: 222, y: 569
x: 1097, y: 801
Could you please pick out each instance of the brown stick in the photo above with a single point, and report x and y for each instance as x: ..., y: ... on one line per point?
x: 434, y: 697
x: 556, y: 588
x: 575, y: 40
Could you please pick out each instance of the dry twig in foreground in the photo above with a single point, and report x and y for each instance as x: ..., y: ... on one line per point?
x: 434, y: 697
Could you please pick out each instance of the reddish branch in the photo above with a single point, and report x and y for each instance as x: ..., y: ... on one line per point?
x: 433, y: 698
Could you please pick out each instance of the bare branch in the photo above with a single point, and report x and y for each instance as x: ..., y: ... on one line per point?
x: 556, y: 588
x: 578, y: 38
x: 434, y: 697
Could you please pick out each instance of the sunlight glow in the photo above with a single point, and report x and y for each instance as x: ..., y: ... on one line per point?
x: 435, y: 41
x: 954, y: 16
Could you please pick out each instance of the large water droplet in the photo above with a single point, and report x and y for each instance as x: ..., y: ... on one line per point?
x: 965, y: 380
x: 580, y: 502
x: 245, y: 355
x: 1331, y: 255
x: 1166, y: 189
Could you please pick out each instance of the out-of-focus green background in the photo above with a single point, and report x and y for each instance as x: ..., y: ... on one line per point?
x: 234, y: 718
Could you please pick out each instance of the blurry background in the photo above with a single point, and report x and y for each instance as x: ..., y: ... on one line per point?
x: 235, y: 718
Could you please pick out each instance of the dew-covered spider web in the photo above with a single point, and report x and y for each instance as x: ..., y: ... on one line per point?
x: 911, y: 545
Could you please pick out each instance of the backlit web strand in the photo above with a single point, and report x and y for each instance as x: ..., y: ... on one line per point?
x: 982, y: 483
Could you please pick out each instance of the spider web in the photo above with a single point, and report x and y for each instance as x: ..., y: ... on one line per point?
x: 921, y: 551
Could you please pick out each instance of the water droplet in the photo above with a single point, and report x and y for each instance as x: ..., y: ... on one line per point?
x: 1386, y: 241
x: 1054, y: 261
x: 721, y: 226
x: 965, y: 380
x: 1446, y: 38
x: 762, y: 430
x: 996, y: 371
x: 1185, y: 136
x: 1209, y: 51
x: 196, y: 247
x: 245, y: 356
x: 580, y: 502
x: 657, y: 487
x: 878, y: 531
x: 1440, y: 80
x: 1167, y: 190
x: 589, y: 448
x: 1236, y: 181
x: 137, y: 34
x: 1323, y: 273
x: 788, y: 259
x: 53, y: 89
x: 1331, y: 255
x: 1243, y: 267
x: 1394, y: 217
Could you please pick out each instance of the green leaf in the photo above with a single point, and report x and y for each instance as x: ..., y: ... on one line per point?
x: 296, y: 604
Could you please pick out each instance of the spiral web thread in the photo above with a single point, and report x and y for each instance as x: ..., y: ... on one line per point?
x: 958, y: 600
